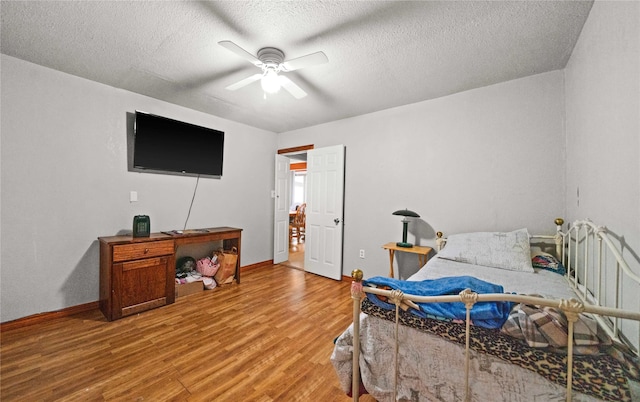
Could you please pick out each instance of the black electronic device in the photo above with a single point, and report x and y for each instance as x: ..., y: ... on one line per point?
x: 141, y: 226
x: 164, y: 145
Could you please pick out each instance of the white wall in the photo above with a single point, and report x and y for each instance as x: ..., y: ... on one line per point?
x: 603, y: 130
x: 65, y: 182
x: 486, y: 159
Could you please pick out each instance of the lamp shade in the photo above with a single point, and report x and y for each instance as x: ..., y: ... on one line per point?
x: 406, y: 212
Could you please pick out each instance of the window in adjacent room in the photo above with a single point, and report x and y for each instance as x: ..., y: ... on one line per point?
x: 299, y: 194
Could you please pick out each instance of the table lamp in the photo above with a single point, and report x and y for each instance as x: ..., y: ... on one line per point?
x: 405, y: 222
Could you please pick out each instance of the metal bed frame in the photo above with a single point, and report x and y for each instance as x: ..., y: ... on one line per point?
x: 583, y: 249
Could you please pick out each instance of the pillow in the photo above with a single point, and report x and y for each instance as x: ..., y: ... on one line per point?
x: 547, y: 261
x: 491, y: 249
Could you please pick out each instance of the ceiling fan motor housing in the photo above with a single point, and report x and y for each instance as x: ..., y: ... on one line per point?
x: 271, y: 56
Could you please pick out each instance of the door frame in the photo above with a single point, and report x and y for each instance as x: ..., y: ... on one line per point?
x: 295, y: 150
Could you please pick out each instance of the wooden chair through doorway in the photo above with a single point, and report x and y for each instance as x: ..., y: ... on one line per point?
x: 296, y: 227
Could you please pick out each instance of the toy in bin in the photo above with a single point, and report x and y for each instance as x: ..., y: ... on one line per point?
x: 184, y: 265
x: 208, y: 266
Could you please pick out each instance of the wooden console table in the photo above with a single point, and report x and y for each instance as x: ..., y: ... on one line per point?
x: 137, y: 273
x: 423, y: 254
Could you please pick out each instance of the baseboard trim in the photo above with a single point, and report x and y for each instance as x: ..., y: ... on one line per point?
x: 48, y: 316
x: 257, y: 265
x: 82, y: 308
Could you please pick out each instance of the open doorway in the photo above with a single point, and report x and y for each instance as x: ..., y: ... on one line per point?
x: 290, y: 193
x: 297, y: 230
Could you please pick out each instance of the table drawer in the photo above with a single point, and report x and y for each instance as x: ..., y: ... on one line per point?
x: 126, y: 252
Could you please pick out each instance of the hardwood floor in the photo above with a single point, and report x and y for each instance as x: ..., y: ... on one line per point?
x: 267, y: 339
x: 296, y: 254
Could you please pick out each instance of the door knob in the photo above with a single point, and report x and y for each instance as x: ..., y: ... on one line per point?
x: 336, y: 221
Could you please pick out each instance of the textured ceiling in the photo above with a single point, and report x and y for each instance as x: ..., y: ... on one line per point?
x: 381, y: 54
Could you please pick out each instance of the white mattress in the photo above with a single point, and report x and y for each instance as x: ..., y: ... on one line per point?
x: 542, y: 282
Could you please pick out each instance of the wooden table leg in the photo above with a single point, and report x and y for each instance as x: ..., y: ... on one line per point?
x: 391, y: 263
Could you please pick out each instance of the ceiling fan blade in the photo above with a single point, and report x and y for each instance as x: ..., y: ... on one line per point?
x: 309, y: 60
x: 200, y: 80
x: 227, y: 44
x: 244, y: 83
x: 291, y: 87
x: 219, y: 14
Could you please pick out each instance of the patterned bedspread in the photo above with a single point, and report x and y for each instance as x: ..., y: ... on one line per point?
x: 600, y: 370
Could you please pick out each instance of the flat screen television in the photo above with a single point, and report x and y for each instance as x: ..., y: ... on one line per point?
x: 163, y: 145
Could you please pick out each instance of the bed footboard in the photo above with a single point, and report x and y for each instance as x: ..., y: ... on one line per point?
x: 576, y: 251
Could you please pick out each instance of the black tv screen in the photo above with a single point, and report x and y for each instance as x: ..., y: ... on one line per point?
x: 163, y: 145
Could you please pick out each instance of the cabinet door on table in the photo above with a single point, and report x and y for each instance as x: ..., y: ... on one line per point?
x: 142, y: 281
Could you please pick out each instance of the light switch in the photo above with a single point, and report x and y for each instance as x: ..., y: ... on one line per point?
x: 133, y: 196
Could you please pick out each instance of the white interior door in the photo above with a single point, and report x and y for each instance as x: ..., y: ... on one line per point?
x: 281, y: 210
x: 325, y: 206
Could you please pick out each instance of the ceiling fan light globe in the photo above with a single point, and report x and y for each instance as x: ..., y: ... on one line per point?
x: 270, y: 82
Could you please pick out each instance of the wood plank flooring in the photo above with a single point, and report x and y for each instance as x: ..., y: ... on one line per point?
x: 267, y: 339
x: 296, y: 254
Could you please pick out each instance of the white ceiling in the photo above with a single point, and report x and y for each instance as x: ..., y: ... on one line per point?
x: 381, y: 54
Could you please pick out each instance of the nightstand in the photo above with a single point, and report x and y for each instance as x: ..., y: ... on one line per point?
x: 423, y: 254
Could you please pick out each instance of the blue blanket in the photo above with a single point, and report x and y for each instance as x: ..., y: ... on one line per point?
x: 483, y: 314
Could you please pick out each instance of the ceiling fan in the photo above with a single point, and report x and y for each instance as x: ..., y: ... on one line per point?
x: 271, y: 61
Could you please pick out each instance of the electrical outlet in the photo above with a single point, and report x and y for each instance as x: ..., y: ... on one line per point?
x: 361, y: 253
